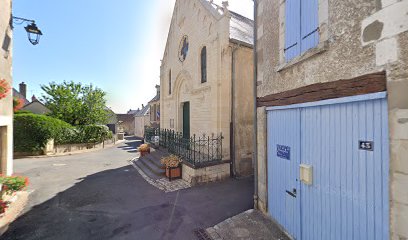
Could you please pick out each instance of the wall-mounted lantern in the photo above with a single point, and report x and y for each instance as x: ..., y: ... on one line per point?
x: 33, y: 32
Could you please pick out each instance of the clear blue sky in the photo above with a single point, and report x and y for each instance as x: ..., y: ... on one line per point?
x: 116, y: 45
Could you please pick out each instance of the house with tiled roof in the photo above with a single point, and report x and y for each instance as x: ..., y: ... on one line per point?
x: 35, y: 106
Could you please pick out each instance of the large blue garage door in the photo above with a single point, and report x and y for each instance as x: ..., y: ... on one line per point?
x: 344, y: 143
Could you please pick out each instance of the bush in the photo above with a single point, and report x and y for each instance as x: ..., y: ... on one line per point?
x: 93, y: 134
x: 32, y: 132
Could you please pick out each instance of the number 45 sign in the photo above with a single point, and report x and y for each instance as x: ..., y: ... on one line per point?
x: 366, y: 145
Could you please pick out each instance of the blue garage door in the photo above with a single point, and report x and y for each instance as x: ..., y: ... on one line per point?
x: 345, y: 141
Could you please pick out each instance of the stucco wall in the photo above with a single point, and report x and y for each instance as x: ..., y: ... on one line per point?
x: 357, y: 37
x: 6, y: 104
x: 243, y: 110
x: 140, y: 123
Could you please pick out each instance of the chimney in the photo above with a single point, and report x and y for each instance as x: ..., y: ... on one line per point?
x: 34, y: 99
x: 142, y: 106
x: 158, y: 89
x: 23, y: 89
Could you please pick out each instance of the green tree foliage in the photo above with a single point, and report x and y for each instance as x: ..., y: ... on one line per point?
x: 75, y: 103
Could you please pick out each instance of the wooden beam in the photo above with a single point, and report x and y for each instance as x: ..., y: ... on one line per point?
x: 370, y: 83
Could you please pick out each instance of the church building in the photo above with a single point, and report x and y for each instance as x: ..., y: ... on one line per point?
x: 207, y: 78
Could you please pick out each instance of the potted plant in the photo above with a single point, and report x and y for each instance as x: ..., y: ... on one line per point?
x: 4, y: 88
x: 144, y: 149
x: 173, y: 166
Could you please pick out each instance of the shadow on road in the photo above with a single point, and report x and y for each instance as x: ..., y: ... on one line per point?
x: 119, y: 204
x: 131, y: 144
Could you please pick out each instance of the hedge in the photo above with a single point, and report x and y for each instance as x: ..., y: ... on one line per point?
x: 32, y: 132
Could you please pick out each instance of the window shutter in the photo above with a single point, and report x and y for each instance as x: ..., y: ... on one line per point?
x: 292, y: 29
x: 309, y: 24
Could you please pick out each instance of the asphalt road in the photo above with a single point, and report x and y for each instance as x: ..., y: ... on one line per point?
x: 98, y: 195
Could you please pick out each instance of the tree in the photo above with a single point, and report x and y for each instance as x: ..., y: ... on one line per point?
x: 76, y: 104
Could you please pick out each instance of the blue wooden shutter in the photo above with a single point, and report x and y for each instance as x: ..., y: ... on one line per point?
x: 292, y: 32
x: 309, y: 24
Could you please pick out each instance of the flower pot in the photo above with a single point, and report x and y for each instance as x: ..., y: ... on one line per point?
x: 142, y: 154
x: 173, y: 172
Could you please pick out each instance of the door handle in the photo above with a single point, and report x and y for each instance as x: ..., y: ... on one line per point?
x: 293, y: 193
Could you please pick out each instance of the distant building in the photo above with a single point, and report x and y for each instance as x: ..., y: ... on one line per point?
x: 112, y: 122
x: 35, y: 106
x: 126, y: 123
x: 142, y: 119
x: 154, y: 105
x: 6, y: 102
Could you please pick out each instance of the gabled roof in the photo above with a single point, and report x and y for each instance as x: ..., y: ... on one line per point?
x: 20, y: 96
x: 241, y: 29
x: 143, y: 112
x: 36, y: 101
x: 155, y: 99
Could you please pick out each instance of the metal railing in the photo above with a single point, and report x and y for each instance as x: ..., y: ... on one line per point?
x: 198, y: 151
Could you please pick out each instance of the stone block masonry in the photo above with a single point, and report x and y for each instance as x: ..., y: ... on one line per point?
x: 208, y: 174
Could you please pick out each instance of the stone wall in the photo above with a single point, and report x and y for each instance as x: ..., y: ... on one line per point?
x: 356, y: 38
x: 6, y: 104
x: 214, y: 173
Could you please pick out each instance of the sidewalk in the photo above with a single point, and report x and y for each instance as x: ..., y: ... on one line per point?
x: 251, y: 224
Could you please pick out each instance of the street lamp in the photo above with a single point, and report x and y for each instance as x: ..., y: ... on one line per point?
x: 33, y: 32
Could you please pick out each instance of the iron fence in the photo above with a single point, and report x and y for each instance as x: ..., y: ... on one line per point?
x: 196, y: 150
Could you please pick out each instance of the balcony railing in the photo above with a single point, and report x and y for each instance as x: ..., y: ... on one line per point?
x: 198, y: 151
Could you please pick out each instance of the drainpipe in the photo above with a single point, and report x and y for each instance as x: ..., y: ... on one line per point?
x: 255, y: 135
x: 232, y: 123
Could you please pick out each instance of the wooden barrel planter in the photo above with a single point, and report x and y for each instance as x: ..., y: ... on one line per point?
x: 174, y: 172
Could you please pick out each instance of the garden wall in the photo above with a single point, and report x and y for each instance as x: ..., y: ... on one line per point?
x: 208, y: 174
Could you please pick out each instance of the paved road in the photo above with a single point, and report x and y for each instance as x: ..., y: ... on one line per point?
x: 98, y: 195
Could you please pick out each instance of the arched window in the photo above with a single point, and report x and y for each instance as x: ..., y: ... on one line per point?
x: 204, y: 65
x: 169, y: 82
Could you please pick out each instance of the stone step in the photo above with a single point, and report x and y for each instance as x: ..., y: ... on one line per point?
x: 153, y: 160
x: 149, y: 171
x: 151, y: 166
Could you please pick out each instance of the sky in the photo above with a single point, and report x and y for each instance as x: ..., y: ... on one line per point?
x: 115, y: 45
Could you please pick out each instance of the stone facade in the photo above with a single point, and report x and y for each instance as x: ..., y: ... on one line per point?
x: 219, y: 103
x: 356, y: 38
x: 142, y: 119
x: 207, y: 174
x: 154, y: 105
x: 6, y: 104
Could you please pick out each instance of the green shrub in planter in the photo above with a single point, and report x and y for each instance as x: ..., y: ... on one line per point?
x: 13, y: 183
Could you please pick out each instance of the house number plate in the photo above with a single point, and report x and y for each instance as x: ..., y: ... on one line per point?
x: 366, y: 145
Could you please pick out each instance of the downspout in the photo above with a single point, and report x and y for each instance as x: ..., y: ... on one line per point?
x: 255, y: 135
x: 232, y: 123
